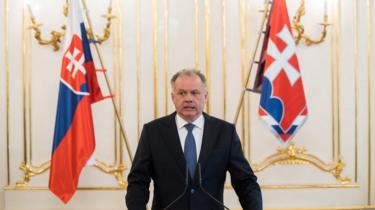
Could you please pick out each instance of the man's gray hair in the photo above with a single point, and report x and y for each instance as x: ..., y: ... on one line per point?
x: 189, y: 72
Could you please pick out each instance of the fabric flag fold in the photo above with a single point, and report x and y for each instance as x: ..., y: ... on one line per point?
x: 262, y: 60
x: 74, y: 139
x: 282, y: 103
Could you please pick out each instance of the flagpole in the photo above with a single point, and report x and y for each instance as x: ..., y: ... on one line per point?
x: 265, y: 15
x: 108, y: 85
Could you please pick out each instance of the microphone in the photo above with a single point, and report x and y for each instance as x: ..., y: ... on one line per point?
x: 209, y: 195
x: 183, y: 192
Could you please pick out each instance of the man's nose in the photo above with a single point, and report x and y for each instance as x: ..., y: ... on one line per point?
x: 188, y: 97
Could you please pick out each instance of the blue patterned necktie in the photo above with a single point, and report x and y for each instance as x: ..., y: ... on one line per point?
x: 190, y: 149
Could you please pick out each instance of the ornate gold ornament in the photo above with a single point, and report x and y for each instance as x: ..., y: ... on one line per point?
x: 293, y: 155
x: 56, y: 36
x: 299, y: 28
x: 116, y: 171
x: 30, y: 171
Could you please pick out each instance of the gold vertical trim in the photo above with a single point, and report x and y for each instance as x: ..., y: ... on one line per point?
x: 121, y: 67
x: 208, y: 50
x: 24, y: 86
x: 6, y: 62
x: 338, y: 59
x: 115, y: 88
x: 242, y: 32
x: 247, y: 36
x: 333, y: 71
x: 369, y: 92
x: 29, y: 91
x: 166, y: 54
x: 246, y: 102
x: 138, y: 61
x: 196, y: 34
x: 224, y: 54
x: 356, y: 76
x: 155, y: 14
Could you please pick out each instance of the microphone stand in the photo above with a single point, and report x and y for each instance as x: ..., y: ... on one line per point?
x: 183, y: 193
x: 209, y: 195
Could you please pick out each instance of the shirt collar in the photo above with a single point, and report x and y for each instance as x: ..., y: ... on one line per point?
x: 199, y: 122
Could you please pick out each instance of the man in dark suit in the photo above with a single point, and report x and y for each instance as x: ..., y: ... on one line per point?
x: 187, y: 155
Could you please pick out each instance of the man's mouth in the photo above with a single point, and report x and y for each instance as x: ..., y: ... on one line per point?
x: 189, y: 108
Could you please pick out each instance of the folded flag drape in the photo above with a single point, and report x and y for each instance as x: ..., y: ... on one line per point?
x: 74, y: 139
x: 282, y: 103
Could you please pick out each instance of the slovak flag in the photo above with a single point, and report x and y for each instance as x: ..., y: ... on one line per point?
x: 74, y: 140
x: 282, y: 103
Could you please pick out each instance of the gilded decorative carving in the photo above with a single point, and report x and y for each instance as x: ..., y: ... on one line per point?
x: 116, y: 171
x: 30, y: 171
x: 299, y: 28
x: 293, y: 155
x: 56, y: 36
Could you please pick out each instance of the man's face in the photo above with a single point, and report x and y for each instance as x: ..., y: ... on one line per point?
x: 189, y: 97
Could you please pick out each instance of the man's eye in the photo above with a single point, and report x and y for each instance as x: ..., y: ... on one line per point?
x: 195, y: 93
x: 182, y: 93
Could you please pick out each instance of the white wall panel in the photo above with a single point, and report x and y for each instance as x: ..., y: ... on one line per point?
x: 151, y: 37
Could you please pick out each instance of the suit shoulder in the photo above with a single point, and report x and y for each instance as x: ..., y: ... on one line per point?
x: 159, y: 121
x: 219, y: 121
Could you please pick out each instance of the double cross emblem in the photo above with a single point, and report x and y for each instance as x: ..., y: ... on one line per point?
x: 282, y: 58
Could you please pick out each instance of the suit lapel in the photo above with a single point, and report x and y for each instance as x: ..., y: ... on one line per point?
x: 208, y: 141
x: 172, y: 141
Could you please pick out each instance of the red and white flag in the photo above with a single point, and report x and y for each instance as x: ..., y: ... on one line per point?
x: 282, y: 103
x: 74, y: 139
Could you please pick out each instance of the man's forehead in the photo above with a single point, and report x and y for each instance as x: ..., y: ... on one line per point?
x: 188, y: 77
x: 187, y: 89
x: 189, y: 80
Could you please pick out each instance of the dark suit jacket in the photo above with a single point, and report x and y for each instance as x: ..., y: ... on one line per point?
x: 160, y: 157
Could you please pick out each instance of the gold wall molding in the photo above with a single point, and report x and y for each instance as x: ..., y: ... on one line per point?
x: 138, y: 63
x: 242, y: 21
x: 36, y: 188
x: 299, y: 28
x: 155, y: 48
x: 118, y: 166
x: 369, y: 4
x: 7, y: 107
x: 356, y: 89
x: 292, y: 155
x: 196, y: 34
x: 227, y: 187
x: 224, y: 54
x: 166, y: 56
x: 56, y: 36
x: 207, y: 49
x: 369, y: 207
x: 301, y: 186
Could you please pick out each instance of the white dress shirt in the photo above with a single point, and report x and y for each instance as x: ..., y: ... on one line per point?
x: 197, y: 132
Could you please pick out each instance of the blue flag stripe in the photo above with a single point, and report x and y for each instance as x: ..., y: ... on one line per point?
x: 66, y: 107
x: 86, y: 44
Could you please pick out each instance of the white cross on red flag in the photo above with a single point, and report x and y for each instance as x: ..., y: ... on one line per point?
x: 74, y: 136
x: 282, y: 103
